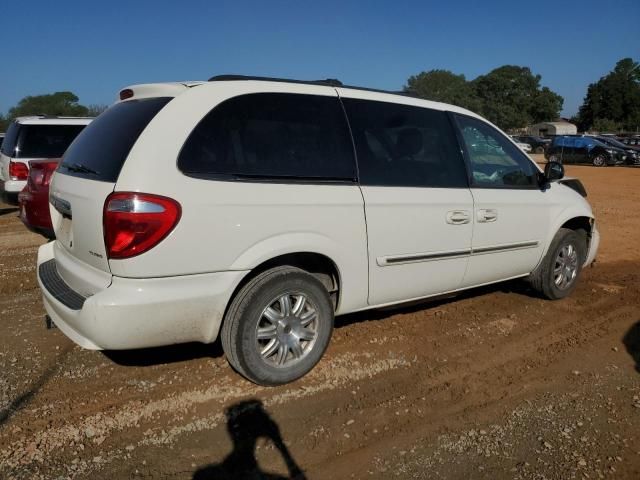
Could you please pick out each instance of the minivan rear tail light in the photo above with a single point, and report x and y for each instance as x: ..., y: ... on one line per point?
x: 136, y: 222
x: 18, y: 170
x: 41, y: 172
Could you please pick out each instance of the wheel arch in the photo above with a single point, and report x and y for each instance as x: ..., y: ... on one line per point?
x: 317, y: 264
x: 573, y: 220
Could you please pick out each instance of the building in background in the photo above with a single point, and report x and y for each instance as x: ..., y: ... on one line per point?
x: 545, y: 129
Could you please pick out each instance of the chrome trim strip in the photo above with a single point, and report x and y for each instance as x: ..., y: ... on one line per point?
x: 500, y: 248
x: 428, y: 257
x: 421, y: 257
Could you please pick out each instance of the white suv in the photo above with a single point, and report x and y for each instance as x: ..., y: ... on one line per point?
x: 30, y: 138
x: 258, y: 209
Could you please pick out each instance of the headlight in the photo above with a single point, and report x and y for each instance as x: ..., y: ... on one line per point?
x: 609, y: 150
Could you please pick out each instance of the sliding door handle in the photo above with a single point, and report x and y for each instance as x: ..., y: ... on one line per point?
x: 486, y: 215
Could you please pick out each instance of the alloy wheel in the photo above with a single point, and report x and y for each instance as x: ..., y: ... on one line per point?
x: 287, y: 329
x: 565, y: 267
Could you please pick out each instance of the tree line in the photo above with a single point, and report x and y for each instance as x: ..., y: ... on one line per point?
x: 58, y: 103
x: 509, y: 96
x: 512, y: 97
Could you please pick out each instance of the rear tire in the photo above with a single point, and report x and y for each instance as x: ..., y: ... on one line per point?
x: 599, y: 160
x: 278, y: 326
x: 557, y: 275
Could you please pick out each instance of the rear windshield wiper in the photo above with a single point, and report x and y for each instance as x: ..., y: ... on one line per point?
x: 78, y: 167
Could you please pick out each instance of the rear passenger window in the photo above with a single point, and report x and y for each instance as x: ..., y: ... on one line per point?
x: 405, y: 146
x: 271, y: 135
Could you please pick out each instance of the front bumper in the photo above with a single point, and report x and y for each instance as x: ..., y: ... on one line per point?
x: 137, y: 313
x: 593, y: 246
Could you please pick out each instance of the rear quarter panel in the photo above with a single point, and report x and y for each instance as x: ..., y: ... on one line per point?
x: 238, y: 225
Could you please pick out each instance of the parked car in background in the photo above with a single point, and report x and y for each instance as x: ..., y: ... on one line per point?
x: 30, y: 138
x: 34, y: 198
x: 633, y: 142
x: 257, y: 209
x: 538, y: 144
x: 581, y: 149
x: 525, y: 147
x: 632, y: 154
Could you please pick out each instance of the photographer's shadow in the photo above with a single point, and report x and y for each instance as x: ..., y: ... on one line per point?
x: 631, y: 341
x: 248, y: 421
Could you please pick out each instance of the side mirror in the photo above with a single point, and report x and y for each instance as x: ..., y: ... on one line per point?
x: 553, y: 171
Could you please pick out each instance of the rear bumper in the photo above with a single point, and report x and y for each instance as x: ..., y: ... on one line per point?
x: 34, y: 212
x: 10, y: 189
x: 138, y: 313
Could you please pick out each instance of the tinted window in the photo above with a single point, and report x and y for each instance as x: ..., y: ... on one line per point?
x: 495, y: 161
x: 401, y: 145
x: 271, y: 135
x: 100, y: 151
x: 613, y: 142
x: 10, y: 140
x: 46, y: 141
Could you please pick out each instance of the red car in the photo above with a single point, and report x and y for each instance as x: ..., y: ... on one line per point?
x: 34, y: 198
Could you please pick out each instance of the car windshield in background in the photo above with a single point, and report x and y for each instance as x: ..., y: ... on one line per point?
x: 100, y: 151
x: 45, y: 141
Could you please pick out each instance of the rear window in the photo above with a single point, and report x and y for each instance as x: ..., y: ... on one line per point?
x: 271, y: 136
x: 10, y: 140
x: 102, y: 148
x: 41, y: 141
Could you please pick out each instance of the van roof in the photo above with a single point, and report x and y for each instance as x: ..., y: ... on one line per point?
x: 173, y: 89
x: 53, y: 120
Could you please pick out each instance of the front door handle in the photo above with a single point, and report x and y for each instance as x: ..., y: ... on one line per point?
x: 486, y: 215
x: 458, y: 217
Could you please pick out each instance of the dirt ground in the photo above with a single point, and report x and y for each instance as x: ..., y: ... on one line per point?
x: 493, y: 384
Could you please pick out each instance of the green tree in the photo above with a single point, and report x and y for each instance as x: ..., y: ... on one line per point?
x: 4, y: 123
x: 59, y: 103
x: 605, y: 125
x: 615, y: 97
x: 443, y: 86
x: 95, y: 110
x: 511, y: 97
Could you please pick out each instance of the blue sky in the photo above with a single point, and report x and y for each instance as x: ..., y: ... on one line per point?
x: 95, y: 48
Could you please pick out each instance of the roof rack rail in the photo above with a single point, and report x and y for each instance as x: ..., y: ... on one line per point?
x: 332, y: 82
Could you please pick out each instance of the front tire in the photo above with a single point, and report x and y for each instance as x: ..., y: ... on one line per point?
x: 278, y: 326
x: 557, y: 275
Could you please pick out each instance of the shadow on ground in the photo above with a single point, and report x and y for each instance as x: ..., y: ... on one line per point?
x: 631, y: 341
x: 145, y: 357
x: 189, y: 351
x: 6, y: 210
x: 517, y: 287
x: 23, y: 400
x: 247, y: 422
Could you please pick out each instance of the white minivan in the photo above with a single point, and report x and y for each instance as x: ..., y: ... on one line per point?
x: 257, y: 209
x: 29, y: 138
